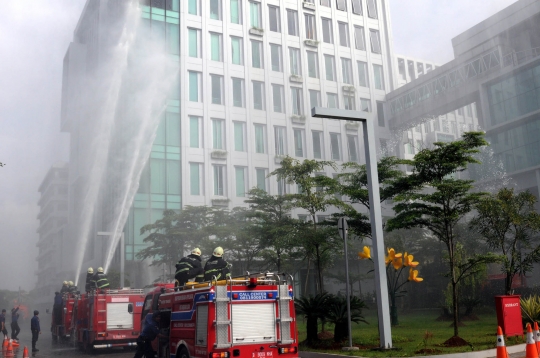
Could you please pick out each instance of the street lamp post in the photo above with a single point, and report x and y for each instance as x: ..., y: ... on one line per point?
x: 122, y: 253
x: 381, y: 288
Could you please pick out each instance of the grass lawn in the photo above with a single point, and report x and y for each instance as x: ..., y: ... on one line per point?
x: 408, y: 336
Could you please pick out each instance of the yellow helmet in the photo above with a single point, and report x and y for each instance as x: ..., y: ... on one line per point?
x: 64, y: 283
x: 70, y: 283
x: 100, y: 270
x: 90, y: 270
x: 196, y: 251
x: 218, y: 251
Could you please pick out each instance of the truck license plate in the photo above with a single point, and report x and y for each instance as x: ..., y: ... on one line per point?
x: 261, y: 354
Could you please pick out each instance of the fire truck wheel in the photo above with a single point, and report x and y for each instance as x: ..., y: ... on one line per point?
x: 183, y: 353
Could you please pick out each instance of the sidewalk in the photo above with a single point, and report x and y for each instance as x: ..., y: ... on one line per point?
x: 516, y: 351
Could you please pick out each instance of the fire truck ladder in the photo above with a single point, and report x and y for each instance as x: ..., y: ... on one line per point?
x: 222, y: 322
x: 285, y: 318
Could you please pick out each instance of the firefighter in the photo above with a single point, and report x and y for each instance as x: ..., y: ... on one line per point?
x: 148, y: 334
x: 36, y: 330
x: 216, y: 266
x: 90, y: 284
x: 188, y: 267
x: 65, y: 287
x: 3, y: 323
x: 57, y: 308
x: 101, y: 279
x: 15, y: 329
x: 72, y: 287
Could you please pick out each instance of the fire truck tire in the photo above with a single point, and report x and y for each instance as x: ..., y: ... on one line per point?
x: 183, y: 353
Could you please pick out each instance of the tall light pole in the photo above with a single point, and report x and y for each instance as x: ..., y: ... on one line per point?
x: 375, y: 217
x: 122, y: 253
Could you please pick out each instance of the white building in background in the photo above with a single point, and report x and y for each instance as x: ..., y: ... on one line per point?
x: 408, y: 69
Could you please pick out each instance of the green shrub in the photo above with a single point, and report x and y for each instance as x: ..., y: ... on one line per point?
x: 530, y: 309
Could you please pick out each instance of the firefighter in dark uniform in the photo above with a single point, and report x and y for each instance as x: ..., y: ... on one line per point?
x: 72, y: 287
x: 57, y: 308
x: 36, y: 330
x: 15, y: 329
x: 89, y: 285
x: 188, y: 267
x: 148, y: 334
x: 101, y: 279
x: 65, y: 287
x: 216, y: 266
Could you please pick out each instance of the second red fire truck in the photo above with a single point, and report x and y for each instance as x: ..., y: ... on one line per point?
x: 249, y: 317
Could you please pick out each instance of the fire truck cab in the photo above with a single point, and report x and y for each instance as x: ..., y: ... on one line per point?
x: 250, y: 317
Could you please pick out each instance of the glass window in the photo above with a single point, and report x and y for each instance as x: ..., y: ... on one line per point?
x: 330, y: 67
x: 346, y: 70
x: 363, y: 74
x: 217, y: 89
x: 275, y: 54
x: 359, y: 42
x: 297, y: 107
x: 218, y: 136
x: 311, y: 32
x: 378, y: 77
x: 375, y: 41
x: 281, y: 187
x: 380, y: 113
x: 239, y: 136
x: 327, y: 33
x: 335, y: 146
x: 195, y: 138
x: 313, y: 65
x: 343, y: 34
x: 237, y: 50
x: 194, y: 36
x: 258, y: 95
x: 219, y: 180
x: 372, y: 8
x: 317, y: 144
x: 314, y: 98
x: 352, y: 141
x: 257, y: 54
x: 216, y: 41
x: 278, y: 98
x: 236, y: 11
x: 238, y: 92
x: 325, y: 3
x: 294, y: 56
x: 194, y: 7
x: 241, y: 182
x: 261, y: 178
x: 273, y: 15
x: 332, y: 100
x: 348, y: 100
x: 173, y: 129
x: 365, y: 105
x: 195, y: 86
x: 215, y: 9
x: 255, y: 14
x: 195, y: 178
x: 341, y: 5
x: 260, y: 136
x: 298, y: 142
x: 173, y: 39
x: 280, y: 134
x: 357, y: 7
x: 292, y: 22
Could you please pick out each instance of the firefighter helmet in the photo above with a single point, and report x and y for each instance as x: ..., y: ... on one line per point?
x: 70, y: 283
x: 196, y: 251
x: 64, y: 283
x: 90, y: 270
x: 218, y: 251
x: 100, y: 270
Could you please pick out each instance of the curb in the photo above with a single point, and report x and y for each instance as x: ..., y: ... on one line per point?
x: 490, y: 353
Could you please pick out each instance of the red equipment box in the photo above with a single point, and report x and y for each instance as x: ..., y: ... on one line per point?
x: 509, y: 314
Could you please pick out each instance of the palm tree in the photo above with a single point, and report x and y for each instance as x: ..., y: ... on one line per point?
x: 337, y: 314
x: 312, y: 308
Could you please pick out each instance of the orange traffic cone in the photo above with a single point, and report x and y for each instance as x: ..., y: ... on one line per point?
x: 537, y: 336
x: 501, y: 347
x: 25, y: 353
x: 5, y: 343
x: 9, y: 350
x: 530, y: 348
x: 14, y: 343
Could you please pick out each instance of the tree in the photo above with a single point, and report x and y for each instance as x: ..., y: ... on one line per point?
x: 273, y: 226
x: 312, y: 308
x: 433, y: 198
x: 337, y: 314
x: 508, y: 222
x: 315, y: 196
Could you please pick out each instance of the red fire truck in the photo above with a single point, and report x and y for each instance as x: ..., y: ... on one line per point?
x: 107, y: 319
x: 249, y: 317
x: 62, y: 319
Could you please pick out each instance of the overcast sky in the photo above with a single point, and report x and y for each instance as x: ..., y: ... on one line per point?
x: 33, y: 41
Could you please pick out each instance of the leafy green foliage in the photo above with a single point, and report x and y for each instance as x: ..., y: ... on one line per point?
x: 337, y: 314
x: 312, y: 308
x: 530, y: 309
x: 508, y: 222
